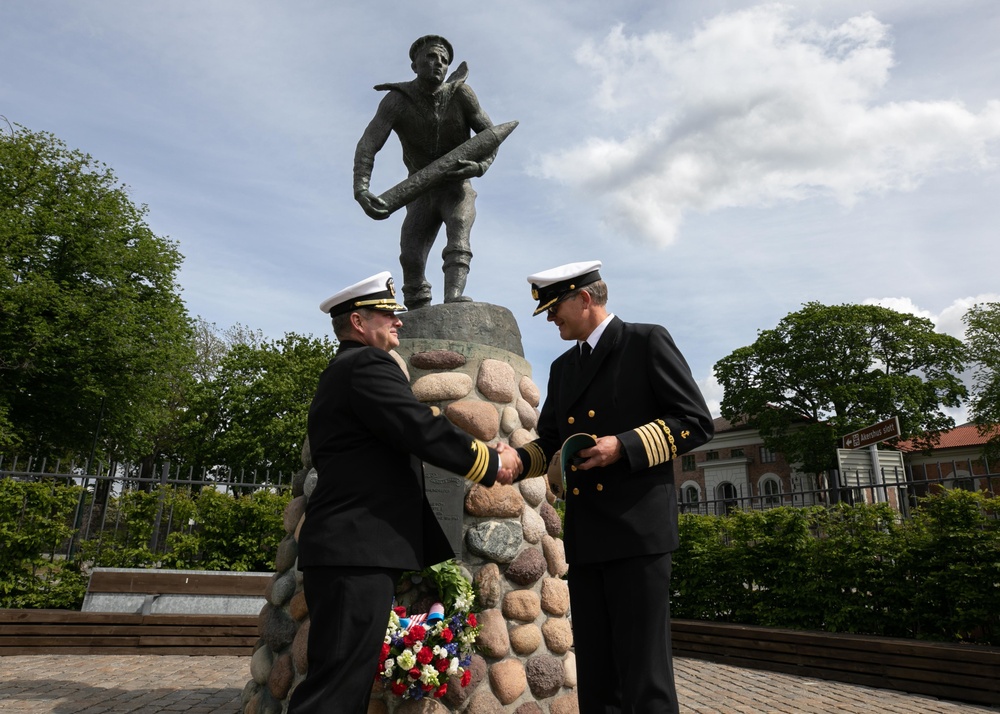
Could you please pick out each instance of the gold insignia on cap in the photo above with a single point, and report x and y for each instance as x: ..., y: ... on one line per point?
x: 534, y: 293
x: 391, y: 287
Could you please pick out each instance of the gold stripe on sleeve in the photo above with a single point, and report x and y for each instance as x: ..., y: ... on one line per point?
x: 644, y: 437
x: 655, y: 437
x: 481, y: 463
x: 539, y: 464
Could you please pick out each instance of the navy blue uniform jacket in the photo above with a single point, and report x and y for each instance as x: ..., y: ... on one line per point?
x: 368, y: 435
x: 637, y: 386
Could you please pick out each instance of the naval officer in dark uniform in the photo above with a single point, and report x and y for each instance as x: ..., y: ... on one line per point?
x: 629, y: 386
x: 368, y: 519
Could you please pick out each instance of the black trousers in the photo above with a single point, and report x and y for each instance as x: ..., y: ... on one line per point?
x: 621, y: 632
x: 348, y: 613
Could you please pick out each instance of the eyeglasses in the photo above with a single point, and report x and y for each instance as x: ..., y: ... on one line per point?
x: 555, y: 308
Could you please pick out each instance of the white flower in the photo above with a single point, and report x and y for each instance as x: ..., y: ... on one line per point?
x: 417, y: 646
x: 463, y: 602
x: 389, y: 663
x: 406, y: 659
x: 453, y: 666
x: 429, y: 675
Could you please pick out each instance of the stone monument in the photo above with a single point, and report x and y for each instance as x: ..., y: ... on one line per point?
x: 466, y: 361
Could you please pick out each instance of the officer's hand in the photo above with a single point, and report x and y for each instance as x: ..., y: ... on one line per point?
x: 465, y: 169
x: 373, y: 205
x: 510, y: 464
x: 607, y: 451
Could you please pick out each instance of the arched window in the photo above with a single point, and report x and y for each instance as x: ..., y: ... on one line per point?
x: 770, y: 489
x: 690, y: 497
x: 726, y: 495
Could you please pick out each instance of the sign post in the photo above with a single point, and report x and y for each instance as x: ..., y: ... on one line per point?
x: 870, y: 436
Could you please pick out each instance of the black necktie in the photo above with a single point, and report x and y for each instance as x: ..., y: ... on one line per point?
x: 584, y: 352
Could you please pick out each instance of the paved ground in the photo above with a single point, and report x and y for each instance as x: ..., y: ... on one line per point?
x: 97, y: 684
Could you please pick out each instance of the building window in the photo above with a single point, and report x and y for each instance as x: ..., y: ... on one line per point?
x: 712, y: 456
x: 735, y: 453
x: 691, y: 495
x: 688, y: 463
x: 771, y: 491
x: 726, y: 494
x: 767, y: 456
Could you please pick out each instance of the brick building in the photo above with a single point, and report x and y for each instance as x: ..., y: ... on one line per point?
x: 736, y: 469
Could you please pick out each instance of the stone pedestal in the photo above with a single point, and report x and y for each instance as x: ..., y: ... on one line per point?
x: 466, y: 361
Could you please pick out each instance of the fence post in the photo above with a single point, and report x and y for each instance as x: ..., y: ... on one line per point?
x: 164, y: 475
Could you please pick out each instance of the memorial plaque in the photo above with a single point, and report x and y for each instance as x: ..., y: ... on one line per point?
x: 446, y: 494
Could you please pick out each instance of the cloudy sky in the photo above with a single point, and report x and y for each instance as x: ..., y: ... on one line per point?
x: 727, y: 160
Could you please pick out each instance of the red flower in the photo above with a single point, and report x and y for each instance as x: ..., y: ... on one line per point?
x: 466, y: 678
x: 427, y: 687
x: 441, y: 691
x: 400, y: 611
x: 398, y: 688
x: 441, y: 664
x: 447, y: 635
x: 414, y: 673
x: 425, y: 655
x: 385, y: 652
x: 472, y: 619
x: 418, y: 631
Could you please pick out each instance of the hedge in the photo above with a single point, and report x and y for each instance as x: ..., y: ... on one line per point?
x: 856, y: 569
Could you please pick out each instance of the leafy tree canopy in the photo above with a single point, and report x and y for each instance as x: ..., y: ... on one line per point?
x: 982, y: 336
x: 252, y: 410
x: 826, y: 371
x: 90, y: 314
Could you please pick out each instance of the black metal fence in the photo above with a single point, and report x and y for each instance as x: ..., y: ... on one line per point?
x: 900, y: 488
x: 101, y: 483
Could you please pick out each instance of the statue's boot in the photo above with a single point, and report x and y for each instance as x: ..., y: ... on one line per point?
x: 455, y: 277
x: 416, y: 294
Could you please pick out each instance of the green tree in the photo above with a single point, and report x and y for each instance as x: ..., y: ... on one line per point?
x: 253, y: 411
x: 825, y: 371
x: 90, y: 316
x: 982, y: 336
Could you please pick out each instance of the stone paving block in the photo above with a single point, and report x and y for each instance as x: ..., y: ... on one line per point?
x: 150, y: 684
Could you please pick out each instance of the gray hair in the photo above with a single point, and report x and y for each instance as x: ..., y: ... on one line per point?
x: 342, y: 327
x: 598, y: 292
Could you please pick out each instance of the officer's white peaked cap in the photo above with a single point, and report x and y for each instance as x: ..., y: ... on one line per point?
x: 550, y: 286
x: 375, y: 293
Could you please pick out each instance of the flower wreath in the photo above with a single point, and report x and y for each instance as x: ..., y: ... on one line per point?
x: 421, y: 652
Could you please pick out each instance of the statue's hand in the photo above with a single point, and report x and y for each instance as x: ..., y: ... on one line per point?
x: 465, y: 169
x: 373, y: 205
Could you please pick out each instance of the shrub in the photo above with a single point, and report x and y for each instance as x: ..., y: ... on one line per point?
x: 36, y: 518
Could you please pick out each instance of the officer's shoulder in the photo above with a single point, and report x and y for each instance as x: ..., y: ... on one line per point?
x: 643, y: 328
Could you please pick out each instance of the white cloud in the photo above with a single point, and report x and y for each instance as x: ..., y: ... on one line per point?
x: 948, y: 321
x: 713, y: 393
x: 753, y: 109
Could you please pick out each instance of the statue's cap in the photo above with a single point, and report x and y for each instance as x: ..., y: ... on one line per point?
x: 550, y: 286
x: 375, y: 293
x: 432, y: 40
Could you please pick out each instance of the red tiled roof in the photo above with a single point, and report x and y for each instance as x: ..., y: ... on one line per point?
x: 960, y: 436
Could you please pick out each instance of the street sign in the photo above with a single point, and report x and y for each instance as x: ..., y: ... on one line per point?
x: 873, y: 434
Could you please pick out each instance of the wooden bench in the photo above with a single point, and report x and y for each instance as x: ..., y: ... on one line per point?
x: 967, y: 673
x: 148, y: 591
x: 70, y: 632
x: 136, y: 611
